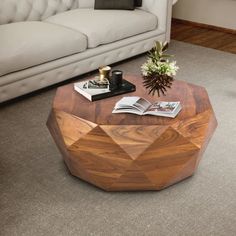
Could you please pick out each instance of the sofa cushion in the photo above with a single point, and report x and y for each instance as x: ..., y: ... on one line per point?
x: 114, y: 4
x: 26, y: 44
x: 103, y: 26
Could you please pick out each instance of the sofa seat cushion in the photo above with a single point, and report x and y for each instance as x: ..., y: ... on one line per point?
x: 26, y: 44
x: 106, y: 26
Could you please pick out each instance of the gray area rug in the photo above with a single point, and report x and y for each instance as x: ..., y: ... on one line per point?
x: 39, y: 197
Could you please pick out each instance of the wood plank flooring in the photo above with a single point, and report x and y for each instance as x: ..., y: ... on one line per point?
x: 203, y: 36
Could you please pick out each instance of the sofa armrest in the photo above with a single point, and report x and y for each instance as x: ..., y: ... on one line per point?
x: 163, y: 10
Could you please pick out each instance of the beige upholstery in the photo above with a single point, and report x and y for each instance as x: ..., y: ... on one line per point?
x: 103, y: 27
x: 72, y: 66
x: 162, y: 9
x: 86, y: 3
x: 28, y: 10
x: 35, y: 10
x: 26, y: 44
x: 133, y: 45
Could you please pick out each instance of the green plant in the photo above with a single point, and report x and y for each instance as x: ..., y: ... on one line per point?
x: 158, y: 71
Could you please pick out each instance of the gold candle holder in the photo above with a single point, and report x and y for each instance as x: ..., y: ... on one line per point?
x: 104, y: 73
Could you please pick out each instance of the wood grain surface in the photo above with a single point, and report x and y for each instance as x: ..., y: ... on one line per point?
x: 125, y: 152
x: 99, y: 112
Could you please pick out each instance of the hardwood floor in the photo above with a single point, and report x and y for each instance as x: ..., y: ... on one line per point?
x: 211, y: 38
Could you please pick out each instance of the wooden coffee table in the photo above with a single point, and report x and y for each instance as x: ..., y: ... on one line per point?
x: 118, y: 152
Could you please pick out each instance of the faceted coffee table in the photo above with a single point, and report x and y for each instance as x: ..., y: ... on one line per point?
x: 119, y: 152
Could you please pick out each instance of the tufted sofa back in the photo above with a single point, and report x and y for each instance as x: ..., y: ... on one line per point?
x: 36, y: 10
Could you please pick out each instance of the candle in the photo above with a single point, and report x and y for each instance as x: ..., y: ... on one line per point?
x: 116, y: 79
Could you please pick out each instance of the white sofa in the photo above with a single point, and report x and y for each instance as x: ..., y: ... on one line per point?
x: 43, y: 42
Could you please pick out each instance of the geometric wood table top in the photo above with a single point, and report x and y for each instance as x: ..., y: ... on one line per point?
x: 119, y: 152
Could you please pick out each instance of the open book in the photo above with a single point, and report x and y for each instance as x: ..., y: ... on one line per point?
x: 141, y: 106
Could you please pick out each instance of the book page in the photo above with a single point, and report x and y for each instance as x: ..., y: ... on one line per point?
x: 142, y: 104
x: 135, y: 103
x: 162, y: 108
x: 128, y: 110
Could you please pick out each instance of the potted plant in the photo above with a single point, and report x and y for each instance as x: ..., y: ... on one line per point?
x: 158, y: 70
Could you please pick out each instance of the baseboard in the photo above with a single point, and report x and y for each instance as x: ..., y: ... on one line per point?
x: 206, y: 26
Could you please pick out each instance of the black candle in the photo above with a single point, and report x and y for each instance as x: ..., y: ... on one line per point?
x: 116, y: 79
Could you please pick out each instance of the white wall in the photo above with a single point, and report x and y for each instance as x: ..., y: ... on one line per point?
x: 213, y: 12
